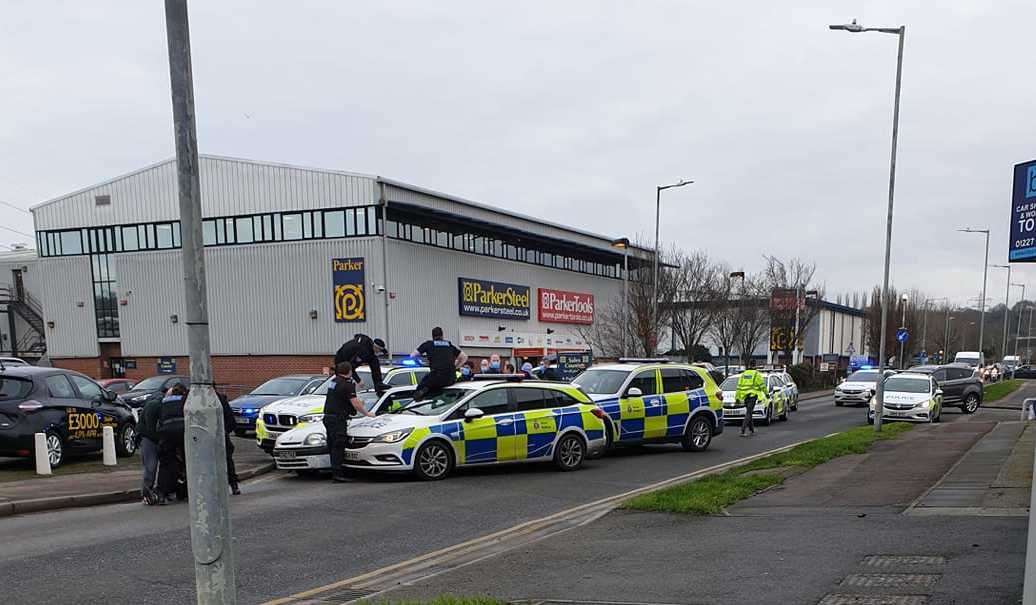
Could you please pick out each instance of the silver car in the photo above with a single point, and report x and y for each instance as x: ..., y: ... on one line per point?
x: 858, y: 388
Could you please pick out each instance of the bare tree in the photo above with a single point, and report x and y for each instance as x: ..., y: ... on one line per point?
x: 753, y: 316
x: 726, y: 323
x: 794, y: 277
x: 695, y: 280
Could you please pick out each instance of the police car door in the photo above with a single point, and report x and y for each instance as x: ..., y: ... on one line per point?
x: 632, y: 407
x: 481, y: 435
x: 535, y: 423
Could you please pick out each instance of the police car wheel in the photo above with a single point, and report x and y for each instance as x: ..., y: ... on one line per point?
x: 569, y: 452
x: 784, y: 415
x: 434, y: 461
x: 769, y: 416
x: 698, y: 435
x: 126, y: 440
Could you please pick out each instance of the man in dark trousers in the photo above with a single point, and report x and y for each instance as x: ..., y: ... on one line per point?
x: 340, y: 404
x: 229, y: 424
x: 443, y: 361
x: 171, y: 458
x: 363, y: 349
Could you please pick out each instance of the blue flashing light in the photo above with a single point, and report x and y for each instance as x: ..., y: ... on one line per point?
x: 410, y: 362
x: 249, y: 410
x: 866, y: 367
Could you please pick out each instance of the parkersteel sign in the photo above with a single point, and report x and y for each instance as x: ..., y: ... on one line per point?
x: 559, y: 306
x: 1022, y: 246
x: 482, y: 298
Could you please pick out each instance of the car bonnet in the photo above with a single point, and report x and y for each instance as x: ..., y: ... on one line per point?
x: 372, y: 427
x: 300, y: 432
x: 294, y: 405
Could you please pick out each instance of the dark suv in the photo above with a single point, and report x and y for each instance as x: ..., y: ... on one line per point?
x: 69, y: 408
x: 960, y: 385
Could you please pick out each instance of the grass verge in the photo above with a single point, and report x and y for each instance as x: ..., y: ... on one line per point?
x: 710, y: 495
x: 999, y: 390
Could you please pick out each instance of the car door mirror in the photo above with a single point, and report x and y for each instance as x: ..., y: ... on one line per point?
x: 938, y: 392
x: 108, y: 395
x: 634, y: 392
x: 473, y: 414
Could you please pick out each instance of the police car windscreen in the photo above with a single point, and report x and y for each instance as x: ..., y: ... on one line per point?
x: 900, y: 384
x: 14, y: 388
x: 281, y: 386
x: 365, y: 376
x: 323, y: 388
x: 369, y: 398
x: 436, y: 405
x: 600, y: 382
x: 863, y: 377
x: 730, y: 384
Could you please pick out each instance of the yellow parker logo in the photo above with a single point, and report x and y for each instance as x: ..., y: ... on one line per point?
x: 349, y: 295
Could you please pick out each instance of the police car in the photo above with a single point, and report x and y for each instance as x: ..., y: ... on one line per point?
x: 910, y: 396
x: 282, y: 415
x: 494, y: 419
x: 775, y: 405
x: 654, y: 401
x: 304, y: 447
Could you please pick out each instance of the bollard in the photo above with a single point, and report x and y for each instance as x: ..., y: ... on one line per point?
x: 1028, y: 408
x: 108, y: 445
x: 42, y: 455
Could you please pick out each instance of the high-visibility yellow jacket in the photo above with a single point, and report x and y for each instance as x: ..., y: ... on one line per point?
x: 751, y: 382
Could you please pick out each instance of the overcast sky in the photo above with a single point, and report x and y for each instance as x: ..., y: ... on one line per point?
x: 572, y: 111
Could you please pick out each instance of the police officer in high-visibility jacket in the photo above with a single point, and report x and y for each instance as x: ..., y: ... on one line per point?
x: 751, y: 388
x: 443, y: 360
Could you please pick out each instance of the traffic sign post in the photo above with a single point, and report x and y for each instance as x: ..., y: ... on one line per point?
x: 901, y: 335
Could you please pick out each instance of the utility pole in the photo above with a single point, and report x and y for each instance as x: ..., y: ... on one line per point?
x: 654, y: 283
x: 208, y: 493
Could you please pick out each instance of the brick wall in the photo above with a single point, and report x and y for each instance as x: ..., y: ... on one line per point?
x: 236, y: 374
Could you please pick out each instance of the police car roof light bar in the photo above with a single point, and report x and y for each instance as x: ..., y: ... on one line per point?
x: 644, y: 360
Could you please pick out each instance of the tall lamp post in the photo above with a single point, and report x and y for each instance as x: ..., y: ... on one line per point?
x: 654, y: 282
x: 901, y: 32
x: 1007, y: 306
x: 623, y: 243
x: 985, y: 274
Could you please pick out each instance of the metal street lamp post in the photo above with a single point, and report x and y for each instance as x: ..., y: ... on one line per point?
x: 654, y: 282
x: 985, y: 275
x: 901, y: 32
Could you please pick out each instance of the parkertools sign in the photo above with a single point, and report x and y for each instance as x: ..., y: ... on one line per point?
x: 347, y: 275
x: 559, y: 306
x: 1022, y: 247
x: 481, y: 298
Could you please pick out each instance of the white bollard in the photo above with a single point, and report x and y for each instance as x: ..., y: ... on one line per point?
x: 108, y: 445
x: 42, y: 455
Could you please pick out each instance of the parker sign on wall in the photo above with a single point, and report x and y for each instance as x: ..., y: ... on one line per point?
x: 481, y: 298
x: 559, y: 306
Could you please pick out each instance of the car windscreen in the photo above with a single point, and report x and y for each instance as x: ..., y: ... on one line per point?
x: 365, y: 376
x: 368, y: 398
x: 730, y: 383
x: 323, y: 389
x: 863, y: 377
x: 12, y: 388
x: 151, y: 384
x: 600, y: 382
x: 434, y: 406
x: 281, y: 386
x: 900, y: 384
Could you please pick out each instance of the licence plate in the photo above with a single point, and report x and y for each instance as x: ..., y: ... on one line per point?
x: 352, y: 455
x: 288, y: 455
x: 240, y: 419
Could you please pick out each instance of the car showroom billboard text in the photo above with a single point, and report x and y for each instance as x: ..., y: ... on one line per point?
x: 1022, y: 246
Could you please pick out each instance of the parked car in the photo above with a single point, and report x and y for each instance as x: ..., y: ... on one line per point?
x: 790, y: 389
x: 1027, y: 372
x: 912, y: 396
x: 974, y: 359
x: 959, y: 382
x: 858, y: 387
x: 774, y: 405
x: 69, y: 408
x: 155, y: 386
x: 246, y: 407
x: 13, y: 361
x: 119, y: 386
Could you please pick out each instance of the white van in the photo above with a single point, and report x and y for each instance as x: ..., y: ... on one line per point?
x: 1012, y: 361
x: 972, y: 358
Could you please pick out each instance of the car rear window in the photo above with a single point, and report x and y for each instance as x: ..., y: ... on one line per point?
x: 14, y: 388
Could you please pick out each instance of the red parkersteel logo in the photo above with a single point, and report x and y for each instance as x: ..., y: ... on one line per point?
x: 559, y: 306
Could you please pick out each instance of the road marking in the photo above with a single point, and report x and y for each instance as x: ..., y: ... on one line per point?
x: 495, y: 542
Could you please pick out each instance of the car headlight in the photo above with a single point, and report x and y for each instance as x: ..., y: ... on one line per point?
x: 139, y: 398
x: 311, y: 418
x: 393, y: 436
x: 316, y: 439
x: 925, y: 404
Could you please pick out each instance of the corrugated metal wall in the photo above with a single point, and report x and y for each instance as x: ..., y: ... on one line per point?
x: 228, y: 187
x: 66, y: 282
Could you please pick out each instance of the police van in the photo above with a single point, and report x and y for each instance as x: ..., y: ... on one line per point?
x: 655, y: 401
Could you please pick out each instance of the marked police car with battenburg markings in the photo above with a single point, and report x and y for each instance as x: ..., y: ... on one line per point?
x: 304, y: 448
x: 282, y: 415
x: 490, y: 420
x: 775, y: 404
x: 654, y: 401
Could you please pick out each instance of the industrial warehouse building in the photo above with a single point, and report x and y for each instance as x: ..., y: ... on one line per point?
x: 298, y: 261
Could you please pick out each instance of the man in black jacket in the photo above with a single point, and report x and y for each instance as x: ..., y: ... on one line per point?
x: 443, y: 360
x: 229, y: 424
x: 360, y: 350
x: 340, y: 404
x: 148, y: 440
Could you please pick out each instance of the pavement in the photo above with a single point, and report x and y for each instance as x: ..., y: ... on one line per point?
x: 75, y: 489
x: 295, y: 535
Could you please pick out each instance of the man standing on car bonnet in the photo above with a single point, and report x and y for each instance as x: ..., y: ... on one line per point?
x: 362, y: 349
x: 340, y: 404
x: 443, y: 360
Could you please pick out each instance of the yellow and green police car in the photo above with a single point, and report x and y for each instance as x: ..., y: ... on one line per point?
x: 655, y: 401
x: 481, y: 422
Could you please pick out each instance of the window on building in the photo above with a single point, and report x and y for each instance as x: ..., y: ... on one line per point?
x: 245, y: 230
x: 292, y: 226
x: 164, y: 236
x: 208, y: 232
x: 71, y: 242
x: 105, y: 286
x: 334, y: 223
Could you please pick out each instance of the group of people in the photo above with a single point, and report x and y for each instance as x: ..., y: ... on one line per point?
x: 160, y: 439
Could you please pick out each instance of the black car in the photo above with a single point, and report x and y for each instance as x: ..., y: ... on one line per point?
x: 960, y: 385
x: 156, y: 386
x: 69, y: 408
x: 1025, y: 372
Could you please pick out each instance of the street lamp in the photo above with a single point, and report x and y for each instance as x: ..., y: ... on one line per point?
x: 1007, y: 306
x: 623, y: 243
x: 654, y: 283
x: 901, y: 32
x: 985, y: 274
x: 905, y: 299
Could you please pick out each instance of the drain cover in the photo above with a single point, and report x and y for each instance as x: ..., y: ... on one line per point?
x: 346, y: 595
x: 892, y: 580
x: 902, y: 560
x: 866, y: 599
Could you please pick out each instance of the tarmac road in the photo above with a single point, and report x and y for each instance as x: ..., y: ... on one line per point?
x: 292, y: 534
